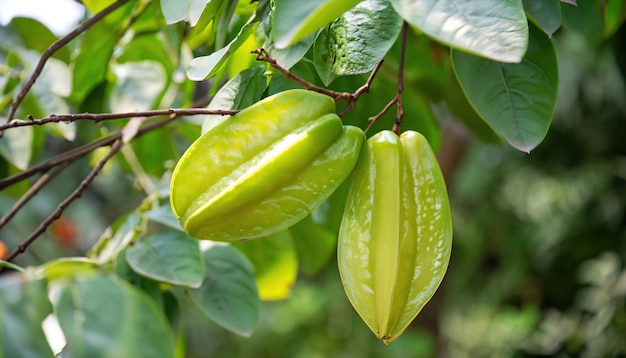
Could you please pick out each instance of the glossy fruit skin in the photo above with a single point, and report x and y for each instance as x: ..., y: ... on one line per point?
x: 264, y: 169
x: 396, y: 233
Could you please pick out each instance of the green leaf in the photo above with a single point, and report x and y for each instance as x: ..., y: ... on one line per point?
x: 164, y: 216
x: 275, y: 263
x: 228, y: 294
x: 67, y: 266
x: 545, y: 13
x: 294, y: 20
x: 106, y: 317
x: 171, y: 257
x: 187, y: 10
x: 495, y: 29
x: 116, y: 238
x: 354, y: 43
x: 204, y: 67
x: 23, y: 307
x: 314, y: 245
x: 38, y: 37
x: 289, y: 56
x: 516, y: 100
x: 240, y: 92
x: 614, y: 16
x: 96, y: 49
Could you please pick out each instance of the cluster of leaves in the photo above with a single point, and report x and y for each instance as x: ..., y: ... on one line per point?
x: 499, y: 78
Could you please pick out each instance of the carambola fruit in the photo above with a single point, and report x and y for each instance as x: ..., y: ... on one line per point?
x: 396, y: 232
x: 263, y: 169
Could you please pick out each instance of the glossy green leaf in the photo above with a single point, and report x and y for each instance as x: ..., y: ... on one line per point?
x: 614, y: 16
x: 354, y: 43
x: 204, y: 67
x: 240, y: 92
x: 23, y: 307
x: 106, y: 317
x: 545, y: 13
x: 314, y: 244
x: 228, y: 294
x: 150, y: 287
x: 289, y: 56
x: 275, y: 264
x: 187, y: 10
x: 495, y: 29
x: 516, y: 100
x: 292, y: 20
x: 171, y: 257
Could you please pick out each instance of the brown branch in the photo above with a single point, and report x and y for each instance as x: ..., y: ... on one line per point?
x: 263, y: 56
x: 65, y: 203
x: 400, y: 111
x: 397, y: 99
x: 99, y: 117
x: 55, y: 47
x: 76, y: 153
x: 40, y: 183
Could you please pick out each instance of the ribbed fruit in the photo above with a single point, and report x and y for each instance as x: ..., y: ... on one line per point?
x: 396, y: 232
x: 264, y: 169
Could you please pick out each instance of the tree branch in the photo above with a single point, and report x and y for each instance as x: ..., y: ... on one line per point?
x: 54, y: 48
x: 32, y: 191
x: 77, y: 153
x: 263, y: 56
x: 99, y: 117
x: 65, y: 203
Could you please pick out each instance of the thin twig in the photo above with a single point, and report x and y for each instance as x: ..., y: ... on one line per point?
x: 40, y: 183
x: 99, y: 117
x: 65, y: 203
x: 55, y: 47
x: 263, y: 56
x: 400, y: 111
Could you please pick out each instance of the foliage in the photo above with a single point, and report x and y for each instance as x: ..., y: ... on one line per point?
x: 107, y: 111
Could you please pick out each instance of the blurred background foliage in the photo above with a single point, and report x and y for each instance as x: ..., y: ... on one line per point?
x: 537, y: 267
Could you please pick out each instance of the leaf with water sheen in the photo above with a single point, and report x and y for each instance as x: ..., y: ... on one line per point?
x: 516, y: 100
x: 495, y: 29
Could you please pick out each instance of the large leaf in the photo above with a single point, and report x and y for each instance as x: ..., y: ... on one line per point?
x: 38, y: 37
x: 172, y: 257
x: 354, y: 43
x: 207, y: 66
x: 516, y: 100
x: 96, y: 48
x: 228, y: 294
x: 275, y: 264
x: 107, y: 317
x: 545, y: 13
x: 188, y: 10
x: 294, y: 20
x: 240, y: 92
x: 495, y: 29
x: 23, y: 307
